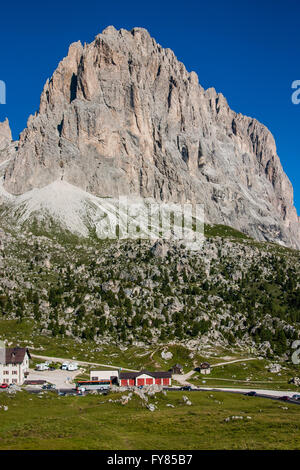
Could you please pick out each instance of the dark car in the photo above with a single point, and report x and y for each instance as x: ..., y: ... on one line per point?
x: 48, y: 387
x: 187, y: 388
x: 284, y: 398
x: 251, y: 394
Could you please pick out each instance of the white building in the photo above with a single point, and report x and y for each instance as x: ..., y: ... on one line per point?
x: 104, y: 374
x: 205, y: 368
x: 14, y: 363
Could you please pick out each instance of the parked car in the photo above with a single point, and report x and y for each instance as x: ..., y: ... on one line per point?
x: 296, y: 396
x: 42, y: 367
x: 284, y: 398
x: 187, y: 388
x: 251, y: 394
x: 49, y: 387
x: 4, y: 386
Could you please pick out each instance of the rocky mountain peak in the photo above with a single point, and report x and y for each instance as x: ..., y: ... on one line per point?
x: 123, y: 116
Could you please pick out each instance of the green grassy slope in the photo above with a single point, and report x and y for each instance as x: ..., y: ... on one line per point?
x: 49, y: 422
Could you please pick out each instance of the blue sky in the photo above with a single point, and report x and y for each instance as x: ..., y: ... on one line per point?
x: 248, y: 50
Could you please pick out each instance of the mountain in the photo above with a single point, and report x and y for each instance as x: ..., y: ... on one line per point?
x: 122, y: 116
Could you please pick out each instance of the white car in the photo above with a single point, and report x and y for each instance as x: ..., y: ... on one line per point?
x: 41, y: 367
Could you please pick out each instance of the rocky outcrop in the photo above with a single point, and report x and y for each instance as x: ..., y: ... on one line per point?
x: 5, y: 135
x: 123, y: 116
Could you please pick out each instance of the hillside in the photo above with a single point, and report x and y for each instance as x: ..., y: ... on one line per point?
x: 233, y: 291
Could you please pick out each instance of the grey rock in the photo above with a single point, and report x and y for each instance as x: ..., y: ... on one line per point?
x: 151, y: 407
x: 295, y: 381
x: 275, y: 368
x: 5, y: 135
x: 166, y: 355
x: 160, y: 249
x: 186, y: 400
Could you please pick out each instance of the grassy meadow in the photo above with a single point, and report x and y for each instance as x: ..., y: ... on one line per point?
x: 92, y: 422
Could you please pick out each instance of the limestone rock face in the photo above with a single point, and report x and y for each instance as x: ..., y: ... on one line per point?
x: 123, y: 116
x: 5, y: 135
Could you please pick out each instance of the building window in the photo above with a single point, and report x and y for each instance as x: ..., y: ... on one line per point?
x: 14, y: 372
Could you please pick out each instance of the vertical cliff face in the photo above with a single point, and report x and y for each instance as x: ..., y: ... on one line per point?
x: 123, y: 116
x: 5, y: 136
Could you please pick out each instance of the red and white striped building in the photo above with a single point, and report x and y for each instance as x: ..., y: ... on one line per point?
x: 144, y: 377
